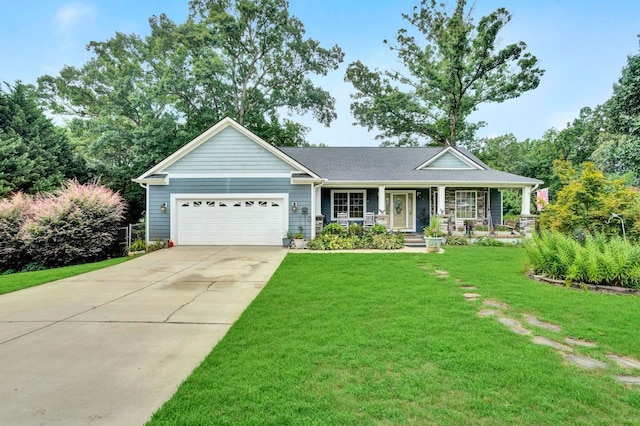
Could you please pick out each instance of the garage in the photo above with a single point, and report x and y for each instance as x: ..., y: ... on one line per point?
x: 229, y: 220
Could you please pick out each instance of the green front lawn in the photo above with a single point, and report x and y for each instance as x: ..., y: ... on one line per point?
x: 385, y: 339
x: 14, y: 282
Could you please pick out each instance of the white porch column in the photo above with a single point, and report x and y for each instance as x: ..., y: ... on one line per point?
x: 440, y: 206
x: 526, y: 200
x: 381, y: 205
x: 318, y: 200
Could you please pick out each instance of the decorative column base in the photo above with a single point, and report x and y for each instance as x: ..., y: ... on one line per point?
x: 528, y: 223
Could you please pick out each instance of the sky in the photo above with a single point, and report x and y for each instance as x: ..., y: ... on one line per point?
x: 582, y: 44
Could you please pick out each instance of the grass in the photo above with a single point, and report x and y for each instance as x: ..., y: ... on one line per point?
x: 21, y: 280
x: 381, y: 339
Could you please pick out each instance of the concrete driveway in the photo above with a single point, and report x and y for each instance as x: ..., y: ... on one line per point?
x: 109, y: 347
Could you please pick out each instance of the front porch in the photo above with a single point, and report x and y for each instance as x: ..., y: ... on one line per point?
x: 409, y: 209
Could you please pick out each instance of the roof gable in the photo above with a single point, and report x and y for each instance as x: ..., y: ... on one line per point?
x: 450, y: 159
x: 226, y: 148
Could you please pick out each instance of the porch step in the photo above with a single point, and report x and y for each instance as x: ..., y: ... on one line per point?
x: 414, y: 240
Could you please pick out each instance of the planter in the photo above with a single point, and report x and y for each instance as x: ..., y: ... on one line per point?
x: 286, y: 242
x: 433, y: 244
x: 299, y: 243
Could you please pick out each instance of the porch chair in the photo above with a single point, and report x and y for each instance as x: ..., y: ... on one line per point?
x: 369, y: 220
x: 342, y: 220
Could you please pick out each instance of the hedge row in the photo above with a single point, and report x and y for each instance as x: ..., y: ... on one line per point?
x: 77, y: 224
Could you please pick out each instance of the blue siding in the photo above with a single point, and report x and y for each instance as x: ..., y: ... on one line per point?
x: 496, y: 206
x: 229, y: 151
x: 159, y: 222
x: 448, y: 161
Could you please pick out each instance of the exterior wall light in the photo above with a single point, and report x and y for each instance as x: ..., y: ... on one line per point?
x: 163, y: 207
x: 294, y: 207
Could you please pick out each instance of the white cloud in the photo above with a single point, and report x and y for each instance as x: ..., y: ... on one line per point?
x: 72, y: 13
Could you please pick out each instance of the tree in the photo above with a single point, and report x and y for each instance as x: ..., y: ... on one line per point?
x: 587, y: 200
x: 247, y: 59
x: 458, y: 67
x: 623, y: 109
x: 139, y: 99
x: 35, y: 155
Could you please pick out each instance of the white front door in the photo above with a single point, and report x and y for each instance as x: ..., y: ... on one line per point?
x: 401, y: 212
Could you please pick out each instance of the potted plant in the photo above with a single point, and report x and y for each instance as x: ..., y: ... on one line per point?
x: 433, y: 234
x: 286, y: 240
x: 298, y: 239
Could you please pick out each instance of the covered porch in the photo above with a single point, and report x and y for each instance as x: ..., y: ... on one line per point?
x: 409, y: 208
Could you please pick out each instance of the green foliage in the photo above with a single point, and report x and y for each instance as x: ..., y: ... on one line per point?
x: 490, y: 242
x: 138, y: 245
x: 335, y: 237
x: 334, y: 229
x: 586, y: 202
x: 433, y: 230
x: 599, y: 260
x: 35, y: 156
x: 457, y: 241
x: 459, y: 67
x: 378, y: 229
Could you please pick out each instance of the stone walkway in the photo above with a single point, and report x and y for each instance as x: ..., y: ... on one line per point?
x: 566, y: 346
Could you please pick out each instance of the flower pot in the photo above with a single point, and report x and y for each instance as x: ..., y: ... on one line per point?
x: 286, y: 242
x: 433, y: 244
x: 299, y: 243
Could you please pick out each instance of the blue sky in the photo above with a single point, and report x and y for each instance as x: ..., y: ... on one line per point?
x: 582, y: 45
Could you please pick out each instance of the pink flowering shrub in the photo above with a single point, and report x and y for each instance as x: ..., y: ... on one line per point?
x: 77, y: 224
x: 14, y: 212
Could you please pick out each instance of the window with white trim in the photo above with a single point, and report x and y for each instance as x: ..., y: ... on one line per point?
x: 466, y: 204
x: 350, y: 202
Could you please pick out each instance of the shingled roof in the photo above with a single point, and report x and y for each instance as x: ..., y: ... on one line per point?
x: 393, y: 164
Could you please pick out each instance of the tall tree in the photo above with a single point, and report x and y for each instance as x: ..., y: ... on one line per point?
x: 455, y: 68
x: 623, y: 109
x: 35, y: 155
x: 139, y: 99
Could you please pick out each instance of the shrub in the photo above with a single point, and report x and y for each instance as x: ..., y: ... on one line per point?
x: 488, y: 241
x: 355, y: 230
x: 78, y: 223
x: 14, y: 212
x: 378, y: 229
x: 596, y: 261
x: 457, y: 241
x: 333, y: 229
x: 336, y: 238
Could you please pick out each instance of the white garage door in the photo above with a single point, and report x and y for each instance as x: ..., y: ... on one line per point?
x: 230, y: 221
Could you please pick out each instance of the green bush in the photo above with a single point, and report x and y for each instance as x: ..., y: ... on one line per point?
x: 598, y: 260
x: 457, y: 241
x: 356, y: 238
x: 333, y: 229
x: 488, y: 241
x: 138, y: 245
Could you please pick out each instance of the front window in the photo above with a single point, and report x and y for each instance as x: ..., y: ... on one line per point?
x: 466, y: 205
x: 349, y: 202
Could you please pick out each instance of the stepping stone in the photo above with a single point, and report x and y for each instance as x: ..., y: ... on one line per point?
x: 584, y: 362
x: 508, y: 322
x: 468, y: 287
x: 578, y: 342
x: 520, y: 330
x: 539, y: 340
x: 624, y: 361
x: 630, y: 380
x: 530, y: 319
x: 471, y: 296
x: 488, y: 313
x: 441, y: 273
x: 495, y: 304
